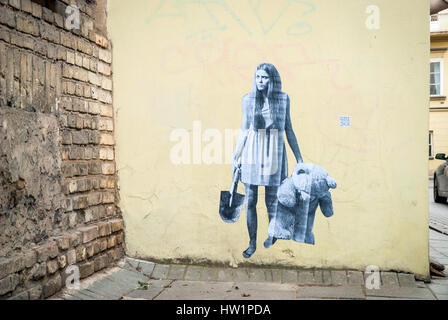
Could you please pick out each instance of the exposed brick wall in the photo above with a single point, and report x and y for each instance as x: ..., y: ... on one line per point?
x: 58, y: 190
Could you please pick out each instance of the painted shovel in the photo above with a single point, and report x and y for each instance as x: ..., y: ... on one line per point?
x: 231, y: 201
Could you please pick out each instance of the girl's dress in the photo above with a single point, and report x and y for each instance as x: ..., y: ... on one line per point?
x: 263, y: 160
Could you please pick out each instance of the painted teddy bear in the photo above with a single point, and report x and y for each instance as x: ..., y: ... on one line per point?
x: 298, y: 198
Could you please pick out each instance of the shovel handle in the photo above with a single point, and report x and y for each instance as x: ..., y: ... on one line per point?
x: 233, y: 187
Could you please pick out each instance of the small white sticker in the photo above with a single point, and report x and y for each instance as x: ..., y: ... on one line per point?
x: 344, y: 121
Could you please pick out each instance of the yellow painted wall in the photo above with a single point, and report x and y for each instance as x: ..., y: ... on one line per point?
x: 188, y: 62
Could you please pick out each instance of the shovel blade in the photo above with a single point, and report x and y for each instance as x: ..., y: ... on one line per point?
x: 231, y: 213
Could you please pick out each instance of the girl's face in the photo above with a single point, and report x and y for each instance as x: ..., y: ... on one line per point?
x: 262, y: 79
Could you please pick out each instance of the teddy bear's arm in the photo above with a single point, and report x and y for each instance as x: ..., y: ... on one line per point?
x: 326, y: 204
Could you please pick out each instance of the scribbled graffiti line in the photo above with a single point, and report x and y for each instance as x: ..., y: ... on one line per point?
x: 179, y: 8
x: 255, y: 5
x: 178, y: 58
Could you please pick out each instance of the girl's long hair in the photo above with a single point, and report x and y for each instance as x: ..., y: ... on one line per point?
x: 274, y: 90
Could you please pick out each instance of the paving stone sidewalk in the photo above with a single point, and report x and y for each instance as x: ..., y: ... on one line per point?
x: 137, y: 279
x: 438, y: 251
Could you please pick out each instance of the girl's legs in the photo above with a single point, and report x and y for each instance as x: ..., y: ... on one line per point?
x: 251, y: 192
x: 271, y: 206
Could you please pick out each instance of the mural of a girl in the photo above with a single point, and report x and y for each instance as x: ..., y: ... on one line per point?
x: 260, y: 151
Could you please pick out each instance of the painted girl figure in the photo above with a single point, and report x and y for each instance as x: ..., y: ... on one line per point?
x: 260, y: 151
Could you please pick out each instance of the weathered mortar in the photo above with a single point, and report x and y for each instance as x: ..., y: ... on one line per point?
x: 58, y: 189
x: 31, y: 201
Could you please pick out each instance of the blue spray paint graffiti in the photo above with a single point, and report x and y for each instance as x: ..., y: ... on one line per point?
x: 283, y: 10
x: 179, y: 8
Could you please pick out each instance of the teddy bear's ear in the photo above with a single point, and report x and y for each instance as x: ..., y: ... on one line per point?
x: 331, y: 183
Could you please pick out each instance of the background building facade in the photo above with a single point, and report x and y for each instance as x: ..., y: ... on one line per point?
x: 438, y: 107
